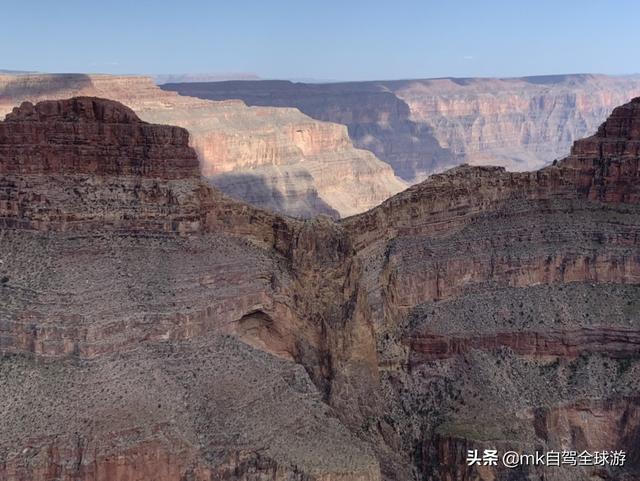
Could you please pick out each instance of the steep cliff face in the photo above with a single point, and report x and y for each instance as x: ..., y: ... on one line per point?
x: 127, y: 285
x: 506, y: 310
x: 196, y: 337
x: 519, y: 123
x: 424, y: 126
x: 275, y: 158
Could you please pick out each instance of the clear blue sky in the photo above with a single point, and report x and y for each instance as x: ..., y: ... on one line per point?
x: 343, y: 40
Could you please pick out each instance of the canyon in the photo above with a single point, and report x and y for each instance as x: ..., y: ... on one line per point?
x: 274, y: 158
x: 420, y: 127
x: 151, y: 327
x: 340, y: 149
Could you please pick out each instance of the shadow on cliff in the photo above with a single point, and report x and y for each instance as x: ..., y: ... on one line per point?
x: 377, y: 120
x: 410, y: 147
x: 254, y: 189
x: 52, y: 86
x: 629, y: 442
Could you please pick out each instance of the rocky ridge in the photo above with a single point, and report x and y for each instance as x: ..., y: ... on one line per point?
x: 196, y: 337
x: 130, y: 281
x: 274, y: 158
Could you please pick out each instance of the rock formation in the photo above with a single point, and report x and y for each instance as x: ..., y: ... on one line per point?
x: 152, y: 328
x: 126, y: 285
x: 275, y: 158
x: 424, y: 126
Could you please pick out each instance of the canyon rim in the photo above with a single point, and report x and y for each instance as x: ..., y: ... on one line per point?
x: 320, y: 241
x: 153, y: 328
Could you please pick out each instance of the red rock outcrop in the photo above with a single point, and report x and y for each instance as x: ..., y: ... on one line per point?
x: 45, y: 139
x: 609, y: 161
x: 88, y: 164
x: 274, y: 158
x: 616, y: 343
x: 196, y: 337
x: 506, y: 293
x: 113, y: 246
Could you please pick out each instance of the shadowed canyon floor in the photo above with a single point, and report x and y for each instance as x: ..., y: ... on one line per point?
x: 424, y: 126
x: 153, y: 328
x: 274, y: 158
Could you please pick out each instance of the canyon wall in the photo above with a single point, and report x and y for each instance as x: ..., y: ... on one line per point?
x: 424, y: 126
x: 127, y: 288
x: 499, y: 298
x: 274, y: 158
x: 153, y: 328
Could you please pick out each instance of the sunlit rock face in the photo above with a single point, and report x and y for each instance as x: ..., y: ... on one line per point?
x: 424, y: 126
x: 131, y: 294
x: 274, y: 158
x: 153, y: 328
x: 506, y: 309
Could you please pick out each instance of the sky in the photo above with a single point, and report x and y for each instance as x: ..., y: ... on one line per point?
x: 323, y: 40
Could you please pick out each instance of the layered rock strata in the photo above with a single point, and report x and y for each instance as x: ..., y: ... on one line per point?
x: 498, y: 298
x: 274, y: 158
x: 152, y: 328
x: 424, y: 126
x: 127, y: 284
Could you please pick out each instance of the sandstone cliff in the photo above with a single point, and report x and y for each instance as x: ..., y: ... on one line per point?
x: 275, y: 158
x: 500, y: 298
x: 123, y: 276
x: 424, y: 126
x: 152, y: 328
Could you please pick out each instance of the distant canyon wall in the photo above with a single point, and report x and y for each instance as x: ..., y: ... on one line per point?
x: 352, y: 145
x: 422, y: 127
x: 274, y: 158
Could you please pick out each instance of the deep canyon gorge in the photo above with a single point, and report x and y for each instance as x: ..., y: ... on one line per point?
x: 342, y: 148
x: 420, y: 127
x: 154, y: 327
x: 274, y: 158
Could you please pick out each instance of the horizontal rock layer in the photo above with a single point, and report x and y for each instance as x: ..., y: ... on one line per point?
x: 273, y: 158
x: 478, y: 308
x: 622, y: 343
x: 424, y: 126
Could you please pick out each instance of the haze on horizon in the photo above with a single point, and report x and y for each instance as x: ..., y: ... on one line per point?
x: 326, y: 40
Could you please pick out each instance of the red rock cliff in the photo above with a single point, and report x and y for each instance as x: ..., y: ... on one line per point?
x: 275, y: 158
x: 194, y: 337
x: 609, y: 160
x: 84, y: 135
x: 113, y: 247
